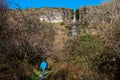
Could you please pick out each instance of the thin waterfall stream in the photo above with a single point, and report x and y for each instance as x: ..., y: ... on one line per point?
x: 74, y: 27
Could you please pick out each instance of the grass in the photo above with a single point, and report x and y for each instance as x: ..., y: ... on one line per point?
x: 37, y: 74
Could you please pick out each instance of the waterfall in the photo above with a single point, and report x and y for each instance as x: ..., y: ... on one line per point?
x: 74, y: 27
x: 74, y: 18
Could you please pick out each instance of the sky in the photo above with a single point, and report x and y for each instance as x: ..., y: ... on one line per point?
x: 74, y: 4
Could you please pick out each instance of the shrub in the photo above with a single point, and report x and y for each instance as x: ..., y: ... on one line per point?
x: 62, y: 23
x: 22, y: 44
x: 108, y: 62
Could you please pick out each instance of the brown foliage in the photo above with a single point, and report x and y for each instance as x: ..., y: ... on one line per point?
x: 22, y: 42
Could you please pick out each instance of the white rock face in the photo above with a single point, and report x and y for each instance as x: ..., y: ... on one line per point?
x: 55, y: 17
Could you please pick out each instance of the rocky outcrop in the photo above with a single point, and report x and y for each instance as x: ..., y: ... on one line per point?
x: 56, y: 15
x: 52, y: 15
x: 97, y: 19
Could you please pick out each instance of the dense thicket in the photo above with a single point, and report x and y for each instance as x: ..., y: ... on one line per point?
x: 96, y: 50
x: 23, y: 42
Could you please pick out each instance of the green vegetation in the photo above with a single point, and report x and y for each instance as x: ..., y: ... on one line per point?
x: 37, y: 74
x: 95, y: 52
x: 96, y: 60
x: 62, y: 23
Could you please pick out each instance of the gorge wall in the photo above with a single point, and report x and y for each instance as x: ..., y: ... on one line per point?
x: 97, y: 19
x: 52, y: 15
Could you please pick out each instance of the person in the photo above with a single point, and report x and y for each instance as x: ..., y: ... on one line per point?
x: 43, y: 66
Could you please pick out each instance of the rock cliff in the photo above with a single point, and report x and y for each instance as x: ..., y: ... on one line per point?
x: 52, y: 15
x: 97, y: 19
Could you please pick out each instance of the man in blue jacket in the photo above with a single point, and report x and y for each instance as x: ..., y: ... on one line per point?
x: 43, y: 66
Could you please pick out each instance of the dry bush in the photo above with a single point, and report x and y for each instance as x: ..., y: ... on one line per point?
x: 23, y: 42
x: 108, y: 61
x: 98, y: 56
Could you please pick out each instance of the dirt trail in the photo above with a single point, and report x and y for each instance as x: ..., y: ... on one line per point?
x: 60, y: 38
x: 57, y: 55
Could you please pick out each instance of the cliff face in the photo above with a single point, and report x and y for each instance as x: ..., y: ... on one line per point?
x: 53, y: 15
x: 56, y: 15
x: 97, y: 19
